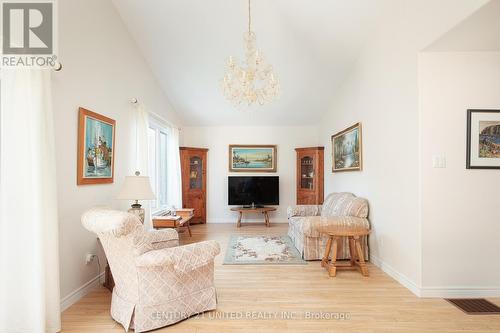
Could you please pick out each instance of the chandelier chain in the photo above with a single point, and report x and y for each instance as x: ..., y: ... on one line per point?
x: 249, y: 18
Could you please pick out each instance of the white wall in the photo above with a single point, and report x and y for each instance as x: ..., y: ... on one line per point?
x: 102, y: 71
x: 460, y: 220
x: 382, y: 93
x: 217, y: 140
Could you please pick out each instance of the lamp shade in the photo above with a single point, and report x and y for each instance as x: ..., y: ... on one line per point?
x: 136, y: 188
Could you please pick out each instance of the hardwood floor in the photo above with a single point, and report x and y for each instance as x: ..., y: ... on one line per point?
x: 372, y: 304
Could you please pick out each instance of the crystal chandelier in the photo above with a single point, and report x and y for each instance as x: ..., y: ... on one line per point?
x: 252, y: 81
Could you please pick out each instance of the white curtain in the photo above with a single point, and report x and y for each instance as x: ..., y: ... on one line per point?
x: 174, y: 185
x: 142, y: 156
x: 29, y: 278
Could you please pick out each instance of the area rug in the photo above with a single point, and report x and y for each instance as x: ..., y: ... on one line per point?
x: 258, y: 250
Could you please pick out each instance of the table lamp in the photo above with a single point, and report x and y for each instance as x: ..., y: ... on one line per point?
x: 136, y: 188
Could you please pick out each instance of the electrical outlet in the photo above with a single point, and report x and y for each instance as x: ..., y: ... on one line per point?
x: 89, y: 258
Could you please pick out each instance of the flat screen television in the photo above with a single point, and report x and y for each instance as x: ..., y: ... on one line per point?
x: 253, y: 190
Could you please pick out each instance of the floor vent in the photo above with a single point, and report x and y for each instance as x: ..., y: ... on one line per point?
x: 475, y: 306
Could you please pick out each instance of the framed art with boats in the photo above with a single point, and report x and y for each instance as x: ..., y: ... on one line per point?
x: 96, y: 148
x: 252, y: 158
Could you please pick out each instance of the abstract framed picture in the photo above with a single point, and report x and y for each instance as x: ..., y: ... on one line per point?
x: 96, y: 148
x: 347, y: 151
x: 252, y: 158
x: 483, y: 139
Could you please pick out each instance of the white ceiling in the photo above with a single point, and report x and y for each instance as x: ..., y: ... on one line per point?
x: 310, y: 43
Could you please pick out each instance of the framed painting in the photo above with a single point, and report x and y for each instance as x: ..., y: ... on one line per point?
x: 96, y: 148
x: 483, y: 139
x: 347, y: 151
x: 252, y: 158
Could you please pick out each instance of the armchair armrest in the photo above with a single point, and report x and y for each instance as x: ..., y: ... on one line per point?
x: 155, y: 240
x: 183, y: 258
x: 304, y: 210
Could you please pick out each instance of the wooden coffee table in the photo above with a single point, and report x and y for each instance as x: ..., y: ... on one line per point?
x: 263, y: 210
x: 335, y: 234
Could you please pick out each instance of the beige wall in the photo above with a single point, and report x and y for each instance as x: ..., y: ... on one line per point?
x: 217, y: 139
x: 382, y: 92
x: 103, y: 69
x: 460, y: 220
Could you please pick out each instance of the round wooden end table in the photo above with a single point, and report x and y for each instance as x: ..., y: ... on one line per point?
x: 264, y: 210
x: 335, y: 234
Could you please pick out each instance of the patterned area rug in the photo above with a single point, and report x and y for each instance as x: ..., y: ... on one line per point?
x: 267, y: 250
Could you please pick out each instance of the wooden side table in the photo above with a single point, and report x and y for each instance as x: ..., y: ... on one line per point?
x: 186, y: 215
x: 264, y: 210
x: 335, y: 234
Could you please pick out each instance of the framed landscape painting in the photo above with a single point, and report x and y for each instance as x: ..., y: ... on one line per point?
x: 347, y: 150
x: 96, y: 148
x: 483, y: 139
x: 252, y: 158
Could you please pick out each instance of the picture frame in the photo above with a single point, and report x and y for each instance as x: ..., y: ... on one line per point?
x: 96, y: 148
x: 252, y: 158
x: 483, y: 139
x: 347, y: 149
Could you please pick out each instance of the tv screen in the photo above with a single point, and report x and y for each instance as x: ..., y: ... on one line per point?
x: 258, y: 190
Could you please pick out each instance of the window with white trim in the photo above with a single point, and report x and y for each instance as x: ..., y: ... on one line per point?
x: 157, y: 142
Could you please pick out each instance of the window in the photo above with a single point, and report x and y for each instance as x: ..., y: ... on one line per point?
x: 157, y: 141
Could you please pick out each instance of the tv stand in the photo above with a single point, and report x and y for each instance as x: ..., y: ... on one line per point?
x: 255, y: 209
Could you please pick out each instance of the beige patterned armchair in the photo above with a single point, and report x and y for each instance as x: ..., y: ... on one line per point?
x: 338, y: 208
x: 157, y: 282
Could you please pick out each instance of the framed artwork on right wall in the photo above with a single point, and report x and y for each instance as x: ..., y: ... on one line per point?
x: 347, y: 152
x: 483, y: 139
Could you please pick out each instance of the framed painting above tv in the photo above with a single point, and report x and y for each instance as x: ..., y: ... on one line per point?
x: 347, y: 152
x: 96, y: 148
x: 483, y: 139
x: 252, y: 158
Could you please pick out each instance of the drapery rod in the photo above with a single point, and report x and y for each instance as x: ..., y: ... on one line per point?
x: 57, y: 67
x: 135, y: 101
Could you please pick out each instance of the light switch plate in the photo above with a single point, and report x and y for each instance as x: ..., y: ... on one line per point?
x: 439, y: 161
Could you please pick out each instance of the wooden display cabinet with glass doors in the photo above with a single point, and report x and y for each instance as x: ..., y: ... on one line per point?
x: 194, y: 182
x: 310, y: 175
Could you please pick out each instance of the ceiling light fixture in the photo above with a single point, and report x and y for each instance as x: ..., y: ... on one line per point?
x: 253, y: 81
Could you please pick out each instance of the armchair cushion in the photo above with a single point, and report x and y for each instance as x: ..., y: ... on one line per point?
x: 183, y: 258
x: 304, y: 210
x: 155, y: 240
x: 344, y: 204
x: 105, y: 220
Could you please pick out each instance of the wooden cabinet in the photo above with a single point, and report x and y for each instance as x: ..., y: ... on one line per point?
x: 194, y: 182
x: 310, y: 175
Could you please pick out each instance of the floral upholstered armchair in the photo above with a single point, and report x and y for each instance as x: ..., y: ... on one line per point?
x: 304, y: 222
x: 157, y: 282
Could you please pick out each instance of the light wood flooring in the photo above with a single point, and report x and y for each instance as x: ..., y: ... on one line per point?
x: 373, y: 304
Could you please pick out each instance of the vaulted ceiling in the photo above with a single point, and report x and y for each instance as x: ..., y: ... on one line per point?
x: 310, y: 43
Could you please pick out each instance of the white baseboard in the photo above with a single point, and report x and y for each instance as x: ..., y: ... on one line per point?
x: 435, y: 292
x: 79, y: 293
x: 459, y: 292
x: 401, y: 278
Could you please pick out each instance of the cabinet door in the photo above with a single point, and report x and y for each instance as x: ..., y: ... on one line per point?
x: 305, y: 178
x: 307, y: 172
x: 309, y: 176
